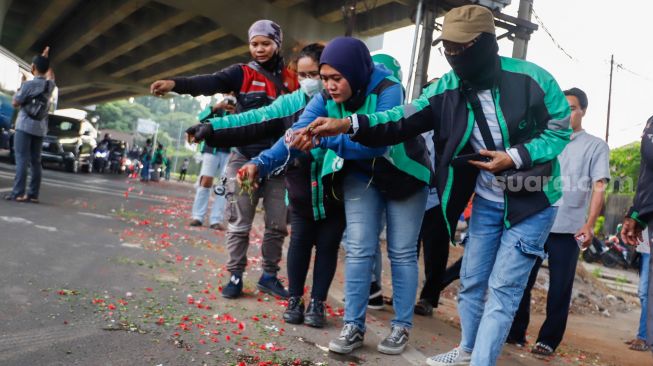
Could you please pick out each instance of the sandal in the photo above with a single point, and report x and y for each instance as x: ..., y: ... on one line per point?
x: 542, y: 349
x: 639, y: 345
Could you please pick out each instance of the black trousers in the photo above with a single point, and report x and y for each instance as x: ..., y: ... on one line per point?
x: 325, y: 235
x: 563, y: 257
x: 434, y: 240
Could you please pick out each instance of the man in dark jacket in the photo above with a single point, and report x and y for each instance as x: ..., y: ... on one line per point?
x: 640, y: 216
x: 513, y: 118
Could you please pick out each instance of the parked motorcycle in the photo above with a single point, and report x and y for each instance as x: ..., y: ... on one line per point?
x: 612, y: 252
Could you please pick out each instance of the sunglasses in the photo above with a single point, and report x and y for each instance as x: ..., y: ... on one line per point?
x: 455, y: 49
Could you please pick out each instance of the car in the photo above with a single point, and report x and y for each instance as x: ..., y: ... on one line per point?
x: 69, y: 143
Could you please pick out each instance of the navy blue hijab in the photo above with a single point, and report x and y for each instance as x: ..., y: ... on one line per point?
x: 351, y: 57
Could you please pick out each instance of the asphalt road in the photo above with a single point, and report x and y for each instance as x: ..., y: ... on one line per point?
x: 104, y: 271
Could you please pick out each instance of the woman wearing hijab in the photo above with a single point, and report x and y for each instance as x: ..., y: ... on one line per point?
x: 256, y: 84
x: 392, y: 178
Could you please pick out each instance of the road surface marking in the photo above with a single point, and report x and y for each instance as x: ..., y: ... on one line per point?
x: 47, y: 228
x: 98, y: 216
x: 131, y: 245
x: 15, y: 220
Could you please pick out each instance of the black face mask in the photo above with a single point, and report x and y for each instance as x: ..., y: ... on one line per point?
x: 477, y: 64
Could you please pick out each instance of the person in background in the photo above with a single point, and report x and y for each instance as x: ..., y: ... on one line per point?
x: 31, y: 127
x: 256, y: 84
x: 156, y: 162
x: 585, y: 167
x: 168, y: 165
x: 640, y: 216
x: 146, y: 156
x: 214, y: 162
x: 184, y: 170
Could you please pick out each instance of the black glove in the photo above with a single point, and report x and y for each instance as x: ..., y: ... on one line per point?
x: 200, y: 131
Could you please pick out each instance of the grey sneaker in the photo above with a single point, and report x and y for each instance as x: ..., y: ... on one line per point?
x: 455, y: 357
x: 395, y: 343
x: 350, y: 338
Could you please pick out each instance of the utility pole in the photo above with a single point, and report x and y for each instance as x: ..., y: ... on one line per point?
x: 174, y: 166
x: 421, y: 70
x: 520, y: 45
x: 607, y: 125
x: 411, y: 78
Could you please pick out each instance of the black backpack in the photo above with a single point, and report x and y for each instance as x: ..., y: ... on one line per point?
x: 36, y: 107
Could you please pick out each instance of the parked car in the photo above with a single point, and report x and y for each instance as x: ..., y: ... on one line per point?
x: 70, y: 143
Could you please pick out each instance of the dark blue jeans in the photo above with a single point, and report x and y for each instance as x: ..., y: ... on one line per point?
x: 27, y: 148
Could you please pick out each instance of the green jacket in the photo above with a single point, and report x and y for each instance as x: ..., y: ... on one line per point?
x: 533, y: 114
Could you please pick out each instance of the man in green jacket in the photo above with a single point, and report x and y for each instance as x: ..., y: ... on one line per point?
x: 513, y: 119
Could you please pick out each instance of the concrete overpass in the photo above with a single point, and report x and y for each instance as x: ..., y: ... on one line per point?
x: 111, y: 49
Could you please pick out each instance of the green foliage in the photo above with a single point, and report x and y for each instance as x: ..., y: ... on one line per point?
x: 624, y: 165
x: 119, y: 115
x: 598, y: 226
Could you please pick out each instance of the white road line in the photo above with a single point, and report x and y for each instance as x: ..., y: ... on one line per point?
x: 80, y: 187
x: 6, y: 189
x: 90, y: 214
x: 130, y: 245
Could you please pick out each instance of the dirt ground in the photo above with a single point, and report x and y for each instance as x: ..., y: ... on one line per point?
x: 600, y: 321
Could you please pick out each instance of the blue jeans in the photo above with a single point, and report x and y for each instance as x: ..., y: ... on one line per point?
x: 27, y: 148
x: 145, y: 170
x: 363, y: 209
x: 642, y: 292
x: 218, y: 163
x: 494, y: 272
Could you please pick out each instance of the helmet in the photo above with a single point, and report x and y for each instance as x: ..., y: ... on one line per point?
x: 390, y: 63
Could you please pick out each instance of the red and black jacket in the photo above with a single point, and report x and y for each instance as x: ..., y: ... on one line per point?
x: 252, y: 88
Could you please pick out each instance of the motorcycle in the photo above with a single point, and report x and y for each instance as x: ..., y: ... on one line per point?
x: 100, y: 159
x: 612, y: 252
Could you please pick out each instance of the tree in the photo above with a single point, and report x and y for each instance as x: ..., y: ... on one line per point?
x: 624, y: 164
x: 120, y: 115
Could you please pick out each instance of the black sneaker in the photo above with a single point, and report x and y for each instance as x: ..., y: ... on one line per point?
x: 350, y: 338
x: 395, y: 343
x: 315, y: 315
x: 234, y: 288
x: 271, y: 285
x: 294, y: 313
x: 375, y: 301
x: 195, y: 223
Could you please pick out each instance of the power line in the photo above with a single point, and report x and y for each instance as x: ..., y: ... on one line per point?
x: 546, y: 30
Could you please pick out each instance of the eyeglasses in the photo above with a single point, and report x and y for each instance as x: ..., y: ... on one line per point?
x: 455, y: 49
x: 310, y: 74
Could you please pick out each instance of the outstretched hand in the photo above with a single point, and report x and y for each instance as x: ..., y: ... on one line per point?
x: 198, y: 133
x: 324, y: 126
x: 160, y: 88
x: 303, y: 140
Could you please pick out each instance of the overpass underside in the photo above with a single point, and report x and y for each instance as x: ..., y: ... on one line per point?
x: 111, y: 49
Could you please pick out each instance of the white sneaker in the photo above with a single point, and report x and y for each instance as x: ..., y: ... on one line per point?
x: 455, y: 357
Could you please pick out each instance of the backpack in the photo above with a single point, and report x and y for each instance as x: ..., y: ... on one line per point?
x: 36, y: 107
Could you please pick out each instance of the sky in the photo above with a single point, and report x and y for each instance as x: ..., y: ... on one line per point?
x: 589, y: 31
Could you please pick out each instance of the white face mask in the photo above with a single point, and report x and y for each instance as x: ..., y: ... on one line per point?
x: 310, y: 86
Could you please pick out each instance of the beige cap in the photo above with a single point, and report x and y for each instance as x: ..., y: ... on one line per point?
x: 463, y: 24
